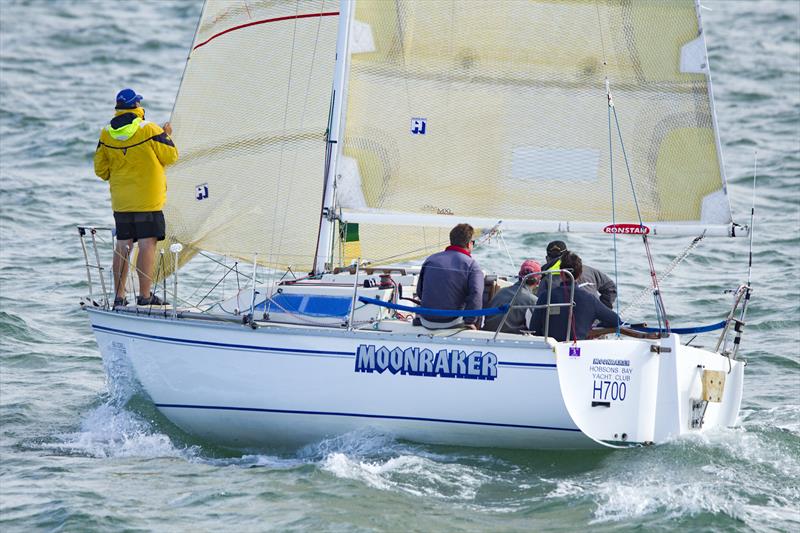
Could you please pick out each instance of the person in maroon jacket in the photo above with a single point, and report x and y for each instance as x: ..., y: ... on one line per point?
x: 452, y: 280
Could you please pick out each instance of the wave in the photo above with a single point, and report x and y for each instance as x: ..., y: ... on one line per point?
x: 111, y: 432
x: 725, y: 475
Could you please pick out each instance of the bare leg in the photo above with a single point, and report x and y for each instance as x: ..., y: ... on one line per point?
x: 145, y: 264
x: 122, y: 253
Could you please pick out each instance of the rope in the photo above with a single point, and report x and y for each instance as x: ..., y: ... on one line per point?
x: 613, y: 196
x: 664, y: 274
x: 661, y: 311
x: 437, y: 312
x: 752, y: 220
x: 510, y: 259
x: 696, y: 329
x: 602, y: 39
x: 658, y: 301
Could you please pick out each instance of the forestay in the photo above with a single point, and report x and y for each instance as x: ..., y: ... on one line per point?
x: 249, y: 122
x: 461, y: 111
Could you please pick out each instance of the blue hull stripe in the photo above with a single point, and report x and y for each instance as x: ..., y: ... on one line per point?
x: 535, y: 365
x: 174, y: 340
x: 359, y: 415
x: 223, y: 344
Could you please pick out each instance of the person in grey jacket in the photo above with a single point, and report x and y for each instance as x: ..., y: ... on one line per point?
x: 592, y: 280
x: 453, y: 280
x: 587, y: 308
x: 521, y: 293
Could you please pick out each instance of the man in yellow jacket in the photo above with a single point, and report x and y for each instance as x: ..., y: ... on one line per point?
x: 131, y: 156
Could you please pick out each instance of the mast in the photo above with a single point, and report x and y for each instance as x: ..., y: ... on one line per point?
x: 322, y: 255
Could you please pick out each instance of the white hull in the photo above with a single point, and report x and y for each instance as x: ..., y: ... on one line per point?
x: 285, y: 385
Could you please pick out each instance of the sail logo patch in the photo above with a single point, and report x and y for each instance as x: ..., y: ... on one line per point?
x: 201, y: 192
x: 424, y: 362
x: 627, y: 229
x: 418, y: 126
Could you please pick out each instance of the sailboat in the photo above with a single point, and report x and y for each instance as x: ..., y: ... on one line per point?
x: 327, y: 143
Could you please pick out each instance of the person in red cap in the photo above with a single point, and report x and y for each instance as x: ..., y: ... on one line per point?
x: 523, y: 292
x: 131, y: 155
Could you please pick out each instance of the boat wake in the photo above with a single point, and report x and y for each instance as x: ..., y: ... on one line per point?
x: 115, y: 429
x: 122, y: 425
x: 381, y: 462
x: 723, y: 473
x: 111, y: 431
x: 410, y: 474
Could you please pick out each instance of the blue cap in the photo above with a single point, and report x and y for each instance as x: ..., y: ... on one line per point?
x: 127, y: 99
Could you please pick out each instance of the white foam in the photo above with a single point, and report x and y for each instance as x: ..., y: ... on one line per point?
x: 622, y: 500
x: 120, y: 376
x: 360, y: 443
x: 785, y: 417
x: 110, y: 431
x: 565, y: 489
x: 411, y: 474
x: 726, y: 471
x: 746, y: 447
x: 378, y: 460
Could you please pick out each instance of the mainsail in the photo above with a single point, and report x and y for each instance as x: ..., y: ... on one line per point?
x: 249, y: 122
x: 461, y: 110
x: 453, y: 110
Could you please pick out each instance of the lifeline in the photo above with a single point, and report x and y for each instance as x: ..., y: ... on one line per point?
x: 424, y: 362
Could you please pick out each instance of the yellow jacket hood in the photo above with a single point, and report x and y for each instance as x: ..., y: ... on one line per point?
x: 121, y: 127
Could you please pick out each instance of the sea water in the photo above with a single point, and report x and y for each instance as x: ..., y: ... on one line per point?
x: 82, y: 452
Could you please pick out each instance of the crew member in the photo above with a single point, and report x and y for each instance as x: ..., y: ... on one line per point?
x: 586, y: 310
x: 523, y: 292
x: 593, y: 280
x: 452, y: 280
x: 131, y: 156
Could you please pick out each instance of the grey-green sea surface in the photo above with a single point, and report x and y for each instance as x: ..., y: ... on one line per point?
x: 81, y: 452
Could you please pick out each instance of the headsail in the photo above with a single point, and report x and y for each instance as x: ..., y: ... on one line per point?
x: 460, y: 110
x: 249, y: 122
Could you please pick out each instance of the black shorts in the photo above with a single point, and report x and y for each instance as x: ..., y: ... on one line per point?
x: 135, y: 226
